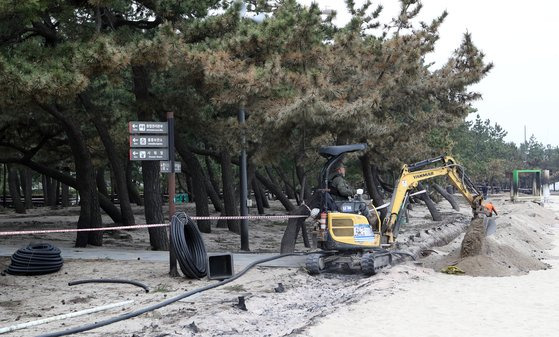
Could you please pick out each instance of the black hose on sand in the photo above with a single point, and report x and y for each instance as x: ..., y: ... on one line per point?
x: 136, y: 283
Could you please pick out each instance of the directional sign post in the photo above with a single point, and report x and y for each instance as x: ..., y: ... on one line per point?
x: 165, y: 166
x: 155, y: 141
x: 149, y: 154
x: 149, y: 141
x: 160, y: 128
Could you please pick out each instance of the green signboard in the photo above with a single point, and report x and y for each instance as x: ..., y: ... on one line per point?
x: 181, y: 198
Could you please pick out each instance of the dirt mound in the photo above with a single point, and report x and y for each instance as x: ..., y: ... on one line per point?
x: 517, y: 247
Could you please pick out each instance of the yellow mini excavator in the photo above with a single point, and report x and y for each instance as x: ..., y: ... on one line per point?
x: 344, y: 232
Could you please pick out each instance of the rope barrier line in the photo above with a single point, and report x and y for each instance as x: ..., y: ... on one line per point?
x: 69, y: 230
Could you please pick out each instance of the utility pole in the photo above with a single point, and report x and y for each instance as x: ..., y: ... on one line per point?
x: 244, y: 188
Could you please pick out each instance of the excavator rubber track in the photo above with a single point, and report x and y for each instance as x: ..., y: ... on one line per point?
x: 372, y: 262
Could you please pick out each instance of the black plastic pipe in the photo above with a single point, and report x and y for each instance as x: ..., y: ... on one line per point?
x: 136, y: 283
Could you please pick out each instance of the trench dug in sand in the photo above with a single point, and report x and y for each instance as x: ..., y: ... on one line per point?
x: 473, y: 239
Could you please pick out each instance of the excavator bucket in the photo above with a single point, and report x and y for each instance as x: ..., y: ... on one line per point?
x: 490, y: 225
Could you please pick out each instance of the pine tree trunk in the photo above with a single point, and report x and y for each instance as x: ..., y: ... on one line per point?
x: 447, y: 196
x: 27, y: 182
x: 450, y: 189
x: 113, y: 189
x: 90, y: 213
x: 101, y: 183
x: 435, y: 214
x: 181, y: 188
x: 276, y: 190
x: 212, y: 186
x: 290, y: 234
x: 153, y: 203
x: 189, y: 187
x: 4, y: 183
x: 103, y: 201
x: 45, y: 186
x: 14, y: 191
x: 211, y: 176
x: 65, y: 195
x: 212, y: 193
x: 290, y: 192
x: 57, y: 193
x: 52, y: 193
x: 252, y: 181
x: 133, y: 192
x: 229, y: 200
x: 303, y: 181
x: 288, y: 188
x: 262, y: 192
x: 271, y: 176
x: 116, y: 163
x: 258, y: 195
x: 372, y: 184
x: 19, y: 183
x: 198, y: 184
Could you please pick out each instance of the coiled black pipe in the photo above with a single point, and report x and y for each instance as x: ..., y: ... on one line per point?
x: 189, y: 248
x: 136, y: 283
x: 36, y: 259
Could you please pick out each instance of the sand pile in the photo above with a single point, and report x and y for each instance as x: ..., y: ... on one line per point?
x: 516, y: 248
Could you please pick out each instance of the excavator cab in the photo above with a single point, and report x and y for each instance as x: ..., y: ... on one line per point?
x: 346, y: 227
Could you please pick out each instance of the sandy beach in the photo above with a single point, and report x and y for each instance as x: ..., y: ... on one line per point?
x: 433, y: 304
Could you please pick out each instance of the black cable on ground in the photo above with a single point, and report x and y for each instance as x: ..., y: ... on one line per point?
x: 166, y: 302
x: 136, y: 283
x: 187, y: 243
x: 36, y: 259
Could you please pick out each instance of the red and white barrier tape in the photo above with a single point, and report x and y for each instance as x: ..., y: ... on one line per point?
x: 41, y: 231
x: 69, y: 230
x: 249, y: 217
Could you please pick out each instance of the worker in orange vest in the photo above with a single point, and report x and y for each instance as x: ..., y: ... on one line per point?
x: 490, y: 209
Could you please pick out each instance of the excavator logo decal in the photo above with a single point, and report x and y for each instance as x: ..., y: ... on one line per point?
x: 426, y: 174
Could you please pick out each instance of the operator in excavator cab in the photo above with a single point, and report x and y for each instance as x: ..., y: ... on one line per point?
x: 339, y: 188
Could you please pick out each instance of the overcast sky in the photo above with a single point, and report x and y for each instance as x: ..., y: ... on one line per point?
x: 520, y: 37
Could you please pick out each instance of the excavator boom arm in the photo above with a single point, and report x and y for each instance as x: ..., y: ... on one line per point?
x: 413, y: 174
